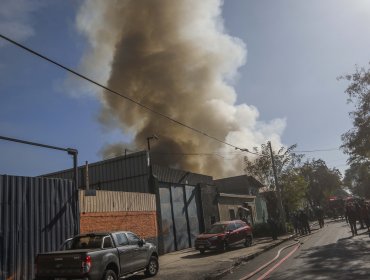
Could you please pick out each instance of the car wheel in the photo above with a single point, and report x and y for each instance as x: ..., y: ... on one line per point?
x: 109, y: 275
x: 248, y: 241
x: 224, y: 246
x: 202, y: 251
x: 153, y: 266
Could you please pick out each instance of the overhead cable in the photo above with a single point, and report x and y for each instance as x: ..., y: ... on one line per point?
x: 121, y: 95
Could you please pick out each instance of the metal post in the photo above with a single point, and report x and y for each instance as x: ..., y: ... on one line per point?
x: 76, y: 211
x: 278, y: 190
x: 87, y: 175
x: 154, y: 188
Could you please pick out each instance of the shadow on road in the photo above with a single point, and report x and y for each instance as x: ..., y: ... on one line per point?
x: 346, y: 259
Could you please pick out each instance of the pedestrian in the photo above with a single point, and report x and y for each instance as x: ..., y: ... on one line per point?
x: 351, y: 215
x: 294, y: 219
x: 359, y: 214
x: 320, y: 216
x: 365, y: 215
x: 273, y: 227
x: 304, y: 222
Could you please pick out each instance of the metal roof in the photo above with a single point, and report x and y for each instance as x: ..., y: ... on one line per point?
x: 177, y: 176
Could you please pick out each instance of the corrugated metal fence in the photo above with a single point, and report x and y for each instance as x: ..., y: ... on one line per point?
x: 128, y: 173
x: 36, y: 215
x: 110, y: 201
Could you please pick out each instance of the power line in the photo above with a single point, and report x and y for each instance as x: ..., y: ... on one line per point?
x: 121, y: 95
x: 314, y: 151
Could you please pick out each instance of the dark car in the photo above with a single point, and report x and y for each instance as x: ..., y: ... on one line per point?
x: 97, y: 256
x: 224, y: 234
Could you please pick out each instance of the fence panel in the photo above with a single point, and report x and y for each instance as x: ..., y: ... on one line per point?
x: 36, y: 215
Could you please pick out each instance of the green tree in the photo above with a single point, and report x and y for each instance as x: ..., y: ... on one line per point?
x: 356, y: 141
x: 357, y: 179
x: 293, y: 186
x: 294, y: 191
x: 260, y: 167
x: 322, y: 181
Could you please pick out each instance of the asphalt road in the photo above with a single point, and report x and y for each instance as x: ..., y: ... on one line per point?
x: 327, y: 253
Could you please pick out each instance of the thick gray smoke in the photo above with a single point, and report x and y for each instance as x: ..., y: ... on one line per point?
x: 174, y: 57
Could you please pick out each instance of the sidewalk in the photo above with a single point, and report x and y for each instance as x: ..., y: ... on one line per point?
x: 190, y: 264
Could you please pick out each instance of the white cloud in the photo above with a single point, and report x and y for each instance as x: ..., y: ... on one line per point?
x: 15, y: 18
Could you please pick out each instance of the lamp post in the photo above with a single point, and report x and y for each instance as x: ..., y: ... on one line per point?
x: 155, y: 190
x: 151, y: 138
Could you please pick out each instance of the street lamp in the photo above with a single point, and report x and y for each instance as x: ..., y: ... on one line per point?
x: 150, y: 138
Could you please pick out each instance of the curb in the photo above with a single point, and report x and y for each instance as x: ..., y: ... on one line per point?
x: 240, y: 260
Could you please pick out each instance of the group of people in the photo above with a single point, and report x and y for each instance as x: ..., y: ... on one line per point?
x: 357, y: 211
x: 300, y: 222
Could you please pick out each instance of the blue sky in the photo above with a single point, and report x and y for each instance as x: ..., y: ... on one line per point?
x: 295, y: 51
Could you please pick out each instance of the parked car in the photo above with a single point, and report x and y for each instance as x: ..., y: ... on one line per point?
x: 222, y: 235
x: 97, y: 256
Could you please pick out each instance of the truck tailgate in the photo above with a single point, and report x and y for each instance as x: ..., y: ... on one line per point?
x: 60, y: 264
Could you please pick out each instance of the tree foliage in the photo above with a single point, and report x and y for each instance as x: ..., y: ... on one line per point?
x: 356, y: 141
x: 357, y: 179
x: 260, y: 167
x: 294, y: 190
x: 293, y: 186
x: 322, y: 181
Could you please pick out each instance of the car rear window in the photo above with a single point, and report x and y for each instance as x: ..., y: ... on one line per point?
x: 87, y: 242
x: 240, y: 225
x: 220, y: 228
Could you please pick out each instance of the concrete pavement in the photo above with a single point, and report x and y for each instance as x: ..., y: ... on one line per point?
x: 190, y: 264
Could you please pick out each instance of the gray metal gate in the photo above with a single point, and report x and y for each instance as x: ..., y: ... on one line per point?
x: 180, y: 216
x: 36, y: 215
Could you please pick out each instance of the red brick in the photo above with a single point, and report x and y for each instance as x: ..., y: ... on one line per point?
x: 143, y: 223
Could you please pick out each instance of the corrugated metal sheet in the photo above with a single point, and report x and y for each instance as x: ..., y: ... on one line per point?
x: 110, y: 201
x: 176, y: 176
x: 243, y: 184
x: 36, y: 215
x: 125, y: 173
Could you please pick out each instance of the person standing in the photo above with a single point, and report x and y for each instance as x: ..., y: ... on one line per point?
x: 273, y: 227
x: 304, y: 222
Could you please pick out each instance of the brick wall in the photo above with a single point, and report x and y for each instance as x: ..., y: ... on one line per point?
x: 143, y: 223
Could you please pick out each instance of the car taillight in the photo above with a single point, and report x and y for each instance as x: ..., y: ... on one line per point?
x: 86, y: 264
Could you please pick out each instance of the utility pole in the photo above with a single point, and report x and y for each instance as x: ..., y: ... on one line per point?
x: 278, y: 190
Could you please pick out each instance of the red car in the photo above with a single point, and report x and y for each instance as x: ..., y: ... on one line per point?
x: 224, y: 234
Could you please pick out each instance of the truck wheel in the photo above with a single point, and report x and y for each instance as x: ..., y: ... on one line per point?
x: 109, y: 275
x: 152, y: 267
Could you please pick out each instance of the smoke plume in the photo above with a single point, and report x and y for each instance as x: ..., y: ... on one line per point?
x: 176, y: 58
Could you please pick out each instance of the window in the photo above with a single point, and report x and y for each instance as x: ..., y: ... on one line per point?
x: 213, y: 219
x: 231, y: 227
x: 239, y: 225
x: 121, y: 239
x: 87, y: 242
x: 132, y: 238
x: 107, y: 243
x: 232, y: 214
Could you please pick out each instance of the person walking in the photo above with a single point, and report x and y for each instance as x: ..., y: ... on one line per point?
x: 320, y: 216
x: 351, y: 215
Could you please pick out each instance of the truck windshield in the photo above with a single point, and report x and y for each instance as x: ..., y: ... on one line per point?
x: 87, y: 242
